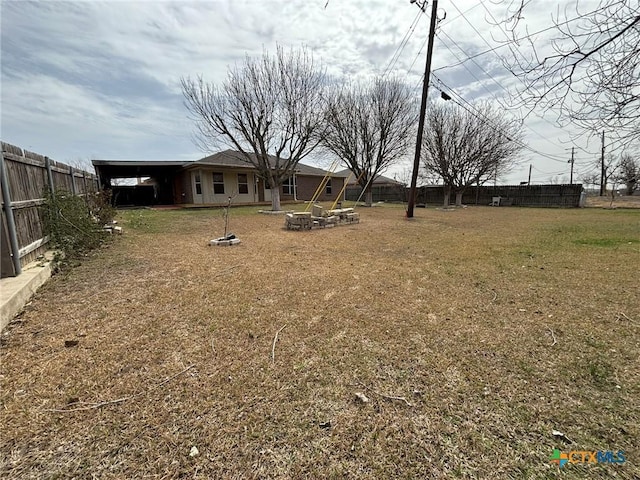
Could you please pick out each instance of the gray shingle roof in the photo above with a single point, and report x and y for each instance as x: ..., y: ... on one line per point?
x: 232, y: 158
x: 379, y: 180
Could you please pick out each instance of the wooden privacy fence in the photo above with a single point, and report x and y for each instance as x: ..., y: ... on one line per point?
x: 380, y: 193
x: 514, y: 195
x: 26, y: 176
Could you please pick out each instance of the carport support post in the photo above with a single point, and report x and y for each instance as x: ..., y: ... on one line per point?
x: 11, y: 224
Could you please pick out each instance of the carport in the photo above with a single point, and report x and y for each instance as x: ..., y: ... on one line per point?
x: 162, y: 188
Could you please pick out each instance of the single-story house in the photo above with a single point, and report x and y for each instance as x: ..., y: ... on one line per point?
x: 380, y: 180
x: 210, y: 181
x: 382, y: 188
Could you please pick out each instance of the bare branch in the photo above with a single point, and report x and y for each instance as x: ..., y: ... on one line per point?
x: 269, y: 109
x: 93, y: 406
x: 369, y: 127
x: 275, y: 340
x: 465, y: 147
x: 591, y: 78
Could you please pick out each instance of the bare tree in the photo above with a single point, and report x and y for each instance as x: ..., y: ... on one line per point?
x: 269, y: 109
x: 82, y: 164
x: 558, y: 180
x: 629, y: 172
x: 592, y: 179
x: 608, y: 170
x: 369, y: 127
x: 465, y: 148
x: 591, y: 77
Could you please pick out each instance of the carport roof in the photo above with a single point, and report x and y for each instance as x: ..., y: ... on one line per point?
x: 227, y: 158
x: 135, y: 168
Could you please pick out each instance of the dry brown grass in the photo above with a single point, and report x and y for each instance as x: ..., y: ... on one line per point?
x: 456, y: 311
x: 619, y: 201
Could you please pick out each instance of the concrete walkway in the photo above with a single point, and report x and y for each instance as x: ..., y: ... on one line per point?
x: 15, y: 292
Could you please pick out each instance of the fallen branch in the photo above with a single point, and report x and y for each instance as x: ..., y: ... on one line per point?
x: 388, y: 397
x: 273, y: 348
x: 226, y: 270
x: 622, y: 315
x: 93, y: 406
x: 552, y: 336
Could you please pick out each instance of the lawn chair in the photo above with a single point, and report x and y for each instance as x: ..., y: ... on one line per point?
x: 495, y: 201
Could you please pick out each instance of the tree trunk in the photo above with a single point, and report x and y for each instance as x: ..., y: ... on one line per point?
x: 447, y: 195
x: 459, y: 199
x: 368, y: 197
x: 275, y: 198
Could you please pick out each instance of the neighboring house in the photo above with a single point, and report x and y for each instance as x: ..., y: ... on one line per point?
x: 382, y: 188
x: 211, y: 181
x: 380, y: 180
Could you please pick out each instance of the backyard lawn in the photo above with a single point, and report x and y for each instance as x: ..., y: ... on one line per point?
x: 449, y: 346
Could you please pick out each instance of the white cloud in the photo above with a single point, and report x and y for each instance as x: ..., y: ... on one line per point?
x: 102, y: 78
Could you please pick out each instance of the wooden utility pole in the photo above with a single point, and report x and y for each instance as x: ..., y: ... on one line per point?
x: 530, y: 167
x: 603, y: 187
x: 571, y: 162
x: 423, y: 109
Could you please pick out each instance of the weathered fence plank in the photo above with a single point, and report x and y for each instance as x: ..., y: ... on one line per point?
x: 28, y: 176
x: 514, y: 195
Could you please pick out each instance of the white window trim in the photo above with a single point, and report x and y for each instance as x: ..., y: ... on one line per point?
x: 293, y: 184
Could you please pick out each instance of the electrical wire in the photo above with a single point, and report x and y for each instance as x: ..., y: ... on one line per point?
x: 460, y: 101
x: 403, y: 43
x: 515, y: 40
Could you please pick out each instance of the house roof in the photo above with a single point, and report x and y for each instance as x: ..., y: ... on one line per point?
x: 227, y: 158
x: 379, y: 180
x: 232, y: 158
x: 304, y: 169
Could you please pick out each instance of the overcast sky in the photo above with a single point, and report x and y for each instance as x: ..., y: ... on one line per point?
x: 91, y: 79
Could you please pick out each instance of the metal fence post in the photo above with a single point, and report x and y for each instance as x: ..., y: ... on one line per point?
x: 11, y: 224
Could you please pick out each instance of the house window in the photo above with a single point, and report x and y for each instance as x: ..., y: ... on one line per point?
x: 327, y: 189
x: 243, y: 183
x: 289, y: 186
x: 198, y: 184
x: 218, y: 183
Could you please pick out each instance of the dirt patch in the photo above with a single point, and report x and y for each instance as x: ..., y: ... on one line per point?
x: 473, y: 335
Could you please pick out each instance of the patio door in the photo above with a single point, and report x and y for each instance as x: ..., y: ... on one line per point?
x: 196, y: 182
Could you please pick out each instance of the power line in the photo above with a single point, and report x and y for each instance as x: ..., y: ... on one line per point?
x: 515, y: 40
x: 490, y: 93
x: 476, y: 63
x: 440, y: 24
x: 473, y: 111
x: 470, y: 24
x: 493, y: 49
x: 403, y: 43
x: 485, y: 72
